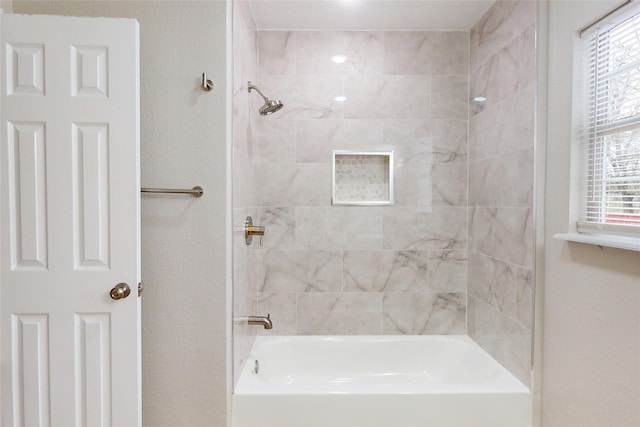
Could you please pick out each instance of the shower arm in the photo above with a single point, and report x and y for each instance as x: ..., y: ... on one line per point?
x: 251, y: 86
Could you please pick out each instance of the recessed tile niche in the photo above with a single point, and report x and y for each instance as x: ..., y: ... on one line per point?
x: 362, y: 177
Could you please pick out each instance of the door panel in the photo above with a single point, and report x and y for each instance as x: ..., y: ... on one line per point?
x: 69, y: 221
x: 27, y: 188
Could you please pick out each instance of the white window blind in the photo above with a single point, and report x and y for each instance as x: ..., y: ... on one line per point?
x: 612, y: 187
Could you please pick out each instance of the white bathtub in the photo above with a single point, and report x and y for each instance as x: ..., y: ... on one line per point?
x: 393, y: 381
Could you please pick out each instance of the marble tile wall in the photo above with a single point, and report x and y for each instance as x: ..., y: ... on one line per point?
x: 244, y: 195
x: 454, y: 254
x: 326, y: 269
x: 501, y: 155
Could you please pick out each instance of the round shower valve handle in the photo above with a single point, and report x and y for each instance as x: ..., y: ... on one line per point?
x: 120, y: 291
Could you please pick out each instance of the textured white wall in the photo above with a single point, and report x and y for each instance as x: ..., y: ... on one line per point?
x: 183, y: 240
x: 591, y: 349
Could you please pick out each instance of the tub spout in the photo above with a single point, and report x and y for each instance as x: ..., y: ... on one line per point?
x: 260, y: 321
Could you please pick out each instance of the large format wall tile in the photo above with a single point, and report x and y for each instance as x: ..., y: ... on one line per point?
x: 501, y: 24
x: 448, y: 271
x: 339, y: 228
x: 245, y: 301
x: 411, y: 139
x: 490, y: 135
x: 304, y: 97
x: 277, y: 53
x: 339, y: 313
x: 279, y: 224
x: 281, y: 307
x: 507, y: 341
x: 449, y: 143
x: 527, y: 58
x: 418, y: 314
x: 315, y: 139
x: 386, y: 271
x: 299, y: 271
x: 429, y: 53
x: 449, y: 97
x: 503, y: 233
x: 496, y: 79
x: 449, y: 184
x: 274, y: 141
x: 524, y: 299
x: 293, y: 184
x: 387, y: 97
x: 505, y: 180
x: 324, y: 268
x: 362, y: 51
x: 427, y: 141
x: 440, y: 184
x: 434, y: 228
x: 501, y: 148
x: 497, y: 282
x: 413, y: 184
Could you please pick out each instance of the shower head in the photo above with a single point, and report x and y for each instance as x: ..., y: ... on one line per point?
x: 270, y: 106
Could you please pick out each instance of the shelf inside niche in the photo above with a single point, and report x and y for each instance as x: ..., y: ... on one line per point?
x: 362, y: 178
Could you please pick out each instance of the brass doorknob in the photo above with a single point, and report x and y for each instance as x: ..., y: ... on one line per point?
x: 119, y: 291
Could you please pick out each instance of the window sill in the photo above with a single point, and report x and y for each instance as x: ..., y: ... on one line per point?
x: 620, y: 242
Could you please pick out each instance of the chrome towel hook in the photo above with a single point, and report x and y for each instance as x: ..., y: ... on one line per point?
x: 207, y: 84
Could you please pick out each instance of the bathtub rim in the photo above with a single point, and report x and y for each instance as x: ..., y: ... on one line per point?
x: 249, y: 385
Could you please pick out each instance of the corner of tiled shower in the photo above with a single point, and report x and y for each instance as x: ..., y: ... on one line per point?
x: 501, y: 160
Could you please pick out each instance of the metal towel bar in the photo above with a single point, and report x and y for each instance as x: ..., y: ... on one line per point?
x: 196, y: 191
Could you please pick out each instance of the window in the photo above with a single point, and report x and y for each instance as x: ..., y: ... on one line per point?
x: 610, y: 127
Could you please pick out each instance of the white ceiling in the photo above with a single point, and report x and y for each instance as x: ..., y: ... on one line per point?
x: 381, y: 15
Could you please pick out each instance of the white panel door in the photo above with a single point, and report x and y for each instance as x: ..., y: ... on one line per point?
x: 69, y: 221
